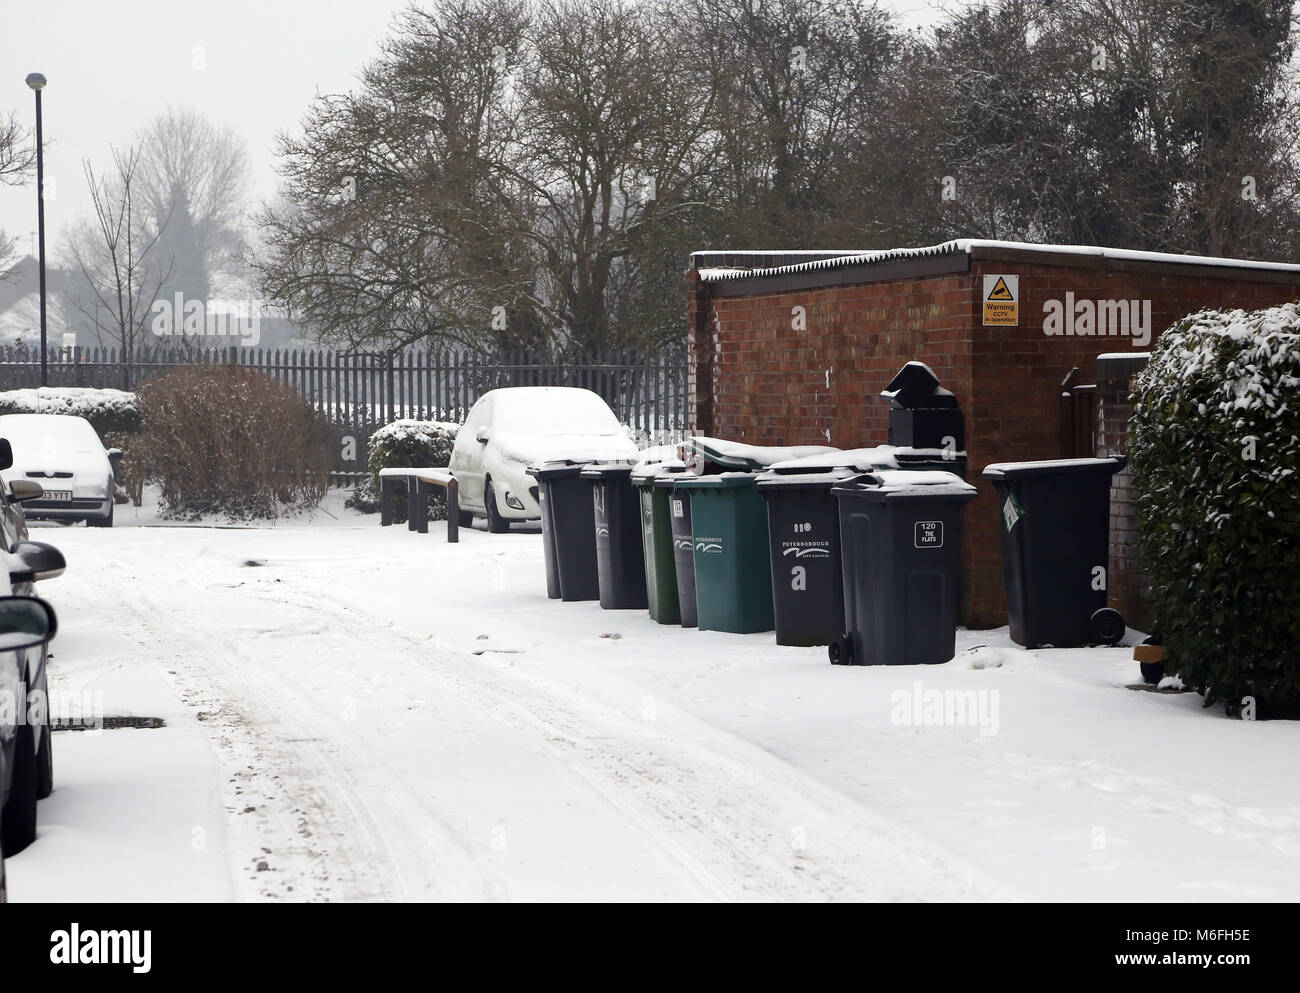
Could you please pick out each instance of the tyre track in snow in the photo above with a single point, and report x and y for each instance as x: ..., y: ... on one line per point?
x: 287, y: 786
x: 749, y: 828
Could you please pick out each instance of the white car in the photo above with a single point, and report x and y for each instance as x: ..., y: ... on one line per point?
x: 509, y: 430
x: 64, y: 455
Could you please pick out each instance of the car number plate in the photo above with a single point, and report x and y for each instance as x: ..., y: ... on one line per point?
x: 58, y: 495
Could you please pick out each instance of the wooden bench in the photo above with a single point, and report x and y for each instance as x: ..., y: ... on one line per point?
x: 419, y: 484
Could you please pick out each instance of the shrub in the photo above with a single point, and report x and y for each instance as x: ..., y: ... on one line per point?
x: 230, y: 440
x: 109, y: 411
x: 1215, y: 452
x: 402, y: 444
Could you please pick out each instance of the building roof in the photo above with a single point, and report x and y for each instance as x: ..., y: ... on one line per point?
x: 718, y: 267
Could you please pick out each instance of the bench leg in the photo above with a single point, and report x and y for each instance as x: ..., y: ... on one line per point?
x: 422, y: 505
x: 385, y: 501
x: 453, y: 513
x: 412, y: 495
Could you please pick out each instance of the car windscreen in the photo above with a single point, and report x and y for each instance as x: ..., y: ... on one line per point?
x: 568, y: 412
x: 43, y: 434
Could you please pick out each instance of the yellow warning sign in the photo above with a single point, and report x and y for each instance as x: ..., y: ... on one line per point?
x: 1002, y: 300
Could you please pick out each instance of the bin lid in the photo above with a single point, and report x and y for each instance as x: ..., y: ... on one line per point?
x: 717, y: 481
x: 907, y: 484
x: 669, y: 480
x: 736, y: 455
x: 812, y: 478
x: 557, y: 468
x: 606, y: 470
x: 1052, y: 467
x: 647, y: 473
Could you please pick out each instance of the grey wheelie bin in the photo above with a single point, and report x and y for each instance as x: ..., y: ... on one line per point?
x: 568, y: 530
x: 617, y: 523
x: 900, y: 547
x: 1056, y: 550
x: 679, y: 520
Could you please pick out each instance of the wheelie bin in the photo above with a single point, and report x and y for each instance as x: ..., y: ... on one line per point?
x: 617, y: 522
x: 900, y: 545
x: 1055, y: 518
x: 733, y: 580
x: 657, y: 539
x: 679, y: 518
x: 804, y: 550
x: 568, y: 530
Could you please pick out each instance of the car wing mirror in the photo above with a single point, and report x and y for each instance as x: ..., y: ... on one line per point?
x: 6, y: 454
x: 115, y: 455
x: 483, y: 436
x: 36, y: 561
x: 23, y: 490
x: 25, y: 622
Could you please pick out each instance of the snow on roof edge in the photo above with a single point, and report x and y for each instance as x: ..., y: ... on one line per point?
x: 969, y: 246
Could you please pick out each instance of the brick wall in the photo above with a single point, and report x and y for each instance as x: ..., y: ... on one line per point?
x: 761, y: 378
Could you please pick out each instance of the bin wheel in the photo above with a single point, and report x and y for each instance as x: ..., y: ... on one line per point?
x: 1106, y: 626
x: 840, y: 650
x: 1152, y: 672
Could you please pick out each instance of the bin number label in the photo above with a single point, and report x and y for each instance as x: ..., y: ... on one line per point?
x: 677, y: 508
x: 928, y: 534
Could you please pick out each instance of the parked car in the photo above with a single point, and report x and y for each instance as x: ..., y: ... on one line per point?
x: 510, y: 429
x: 26, y: 623
x: 64, y: 454
x: 26, y: 755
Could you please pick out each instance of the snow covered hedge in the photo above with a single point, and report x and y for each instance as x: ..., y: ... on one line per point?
x: 1215, y: 453
x: 402, y: 444
x: 109, y: 411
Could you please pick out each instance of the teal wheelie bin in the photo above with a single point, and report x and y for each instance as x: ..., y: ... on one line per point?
x: 733, y: 581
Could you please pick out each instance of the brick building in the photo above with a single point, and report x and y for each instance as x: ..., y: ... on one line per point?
x: 794, y: 347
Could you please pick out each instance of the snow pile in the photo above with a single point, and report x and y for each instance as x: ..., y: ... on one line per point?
x: 408, y: 430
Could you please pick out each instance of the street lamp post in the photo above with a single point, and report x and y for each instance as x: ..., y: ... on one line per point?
x: 37, y: 82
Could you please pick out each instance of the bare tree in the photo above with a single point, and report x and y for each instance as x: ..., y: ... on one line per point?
x: 115, y: 253
x: 17, y: 160
x: 195, y: 174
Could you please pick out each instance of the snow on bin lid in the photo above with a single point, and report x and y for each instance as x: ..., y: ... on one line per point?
x: 918, y: 482
x: 822, y: 476
x: 716, y: 481
x: 910, y: 479
x: 643, y: 472
x: 1000, y: 469
x: 606, y: 467
x: 862, y: 459
x: 735, y: 455
x: 557, y: 467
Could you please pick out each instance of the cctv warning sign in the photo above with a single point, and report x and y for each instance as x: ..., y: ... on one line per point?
x: 1002, y: 300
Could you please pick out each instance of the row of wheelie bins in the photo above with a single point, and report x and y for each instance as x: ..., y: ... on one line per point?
x: 858, y: 551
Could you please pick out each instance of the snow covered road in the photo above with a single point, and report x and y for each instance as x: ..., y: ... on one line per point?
x: 357, y: 713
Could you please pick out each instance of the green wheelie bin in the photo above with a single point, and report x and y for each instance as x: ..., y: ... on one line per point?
x: 733, y: 579
x: 657, y: 539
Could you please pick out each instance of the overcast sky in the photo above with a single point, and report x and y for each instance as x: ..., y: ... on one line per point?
x: 114, y: 64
